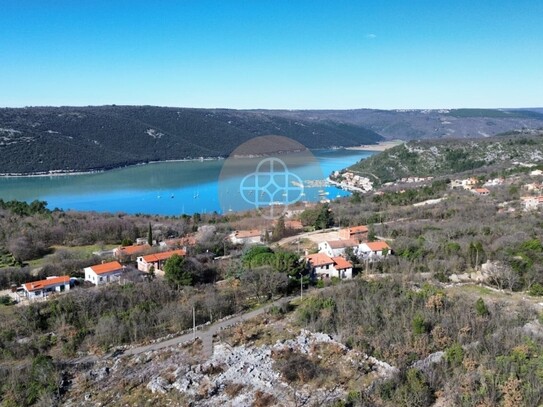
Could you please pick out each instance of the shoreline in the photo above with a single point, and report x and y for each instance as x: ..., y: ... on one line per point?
x: 381, y: 146
x: 61, y: 173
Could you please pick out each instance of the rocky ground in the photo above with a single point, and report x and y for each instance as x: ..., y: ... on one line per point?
x: 260, y: 363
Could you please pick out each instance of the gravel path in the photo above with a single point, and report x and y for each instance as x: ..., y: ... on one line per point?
x: 206, y: 335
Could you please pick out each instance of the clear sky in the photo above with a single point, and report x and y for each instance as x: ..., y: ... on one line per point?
x: 272, y: 54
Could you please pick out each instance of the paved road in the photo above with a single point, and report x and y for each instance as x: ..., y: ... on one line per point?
x: 206, y: 335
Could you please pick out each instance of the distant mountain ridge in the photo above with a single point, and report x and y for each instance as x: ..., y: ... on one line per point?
x: 406, y: 124
x: 42, y: 139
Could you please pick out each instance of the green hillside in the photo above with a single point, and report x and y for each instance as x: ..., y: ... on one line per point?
x: 447, y: 157
x: 41, y: 139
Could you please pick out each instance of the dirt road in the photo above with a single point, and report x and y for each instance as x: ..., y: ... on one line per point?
x: 205, y: 334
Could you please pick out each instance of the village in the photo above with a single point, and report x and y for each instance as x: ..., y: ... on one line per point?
x: 331, y: 253
x: 330, y: 257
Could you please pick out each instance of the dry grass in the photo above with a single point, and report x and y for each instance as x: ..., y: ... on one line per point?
x: 233, y: 389
x: 263, y: 399
x: 257, y: 332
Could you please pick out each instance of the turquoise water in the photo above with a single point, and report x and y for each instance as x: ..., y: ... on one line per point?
x: 169, y: 188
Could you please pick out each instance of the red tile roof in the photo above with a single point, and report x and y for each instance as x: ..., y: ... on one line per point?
x: 40, y: 285
x: 319, y: 259
x: 294, y: 224
x: 377, y: 246
x: 341, y: 263
x: 152, y: 258
x: 358, y: 229
x: 242, y: 234
x: 134, y: 249
x: 105, y: 268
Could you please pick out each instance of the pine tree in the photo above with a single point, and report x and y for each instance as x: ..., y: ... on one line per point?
x: 150, y: 235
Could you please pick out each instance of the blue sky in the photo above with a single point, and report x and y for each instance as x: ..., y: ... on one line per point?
x: 272, y: 54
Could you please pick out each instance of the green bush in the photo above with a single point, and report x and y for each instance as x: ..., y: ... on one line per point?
x: 454, y: 354
x: 481, y: 308
x: 6, y: 300
x: 536, y: 290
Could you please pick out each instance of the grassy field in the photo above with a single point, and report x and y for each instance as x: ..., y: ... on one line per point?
x: 80, y: 252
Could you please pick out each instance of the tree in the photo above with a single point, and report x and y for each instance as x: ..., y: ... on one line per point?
x: 279, y: 229
x: 126, y: 242
x: 325, y: 218
x: 309, y: 217
x: 476, y: 254
x: 355, y: 198
x: 351, y: 255
x: 481, y: 308
x: 176, y: 273
x: 264, y: 281
x: 502, y: 275
x: 150, y: 235
x: 371, y: 233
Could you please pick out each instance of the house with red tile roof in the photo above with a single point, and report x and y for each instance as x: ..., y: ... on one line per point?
x: 43, y: 288
x: 179, y: 242
x: 334, y: 248
x: 253, y: 236
x: 104, y: 273
x: 374, y: 250
x: 133, y: 250
x: 358, y: 233
x: 156, y: 261
x: 324, y: 267
x: 480, y: 191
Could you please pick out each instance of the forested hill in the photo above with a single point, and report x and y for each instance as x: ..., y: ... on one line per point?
x: 447, y: 157
x: 41, y: 139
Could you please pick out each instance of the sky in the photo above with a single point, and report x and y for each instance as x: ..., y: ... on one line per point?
x: 275, y: 54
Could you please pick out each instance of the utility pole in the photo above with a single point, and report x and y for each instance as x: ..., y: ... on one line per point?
x: 301, y: 286
x: 193, y: 323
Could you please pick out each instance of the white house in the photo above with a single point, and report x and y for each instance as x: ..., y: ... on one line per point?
x: 156, y: 261
x: 480, y: 191
x: 324, y: 267
x: 43, y: 288
x: 104, y: 273
x: 333, y: 248
x: 374, y: 250
x: 343, y: 267
x: 253, y: 236
x: 532, y: 203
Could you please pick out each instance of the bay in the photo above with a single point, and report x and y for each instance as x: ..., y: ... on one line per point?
x: 166, y: 188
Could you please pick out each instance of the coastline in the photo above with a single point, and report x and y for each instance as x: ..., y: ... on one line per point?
x: 61, y: 173
x: 381, y: 146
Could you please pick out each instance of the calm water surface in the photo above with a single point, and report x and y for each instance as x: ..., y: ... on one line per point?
x: 170, y: 188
